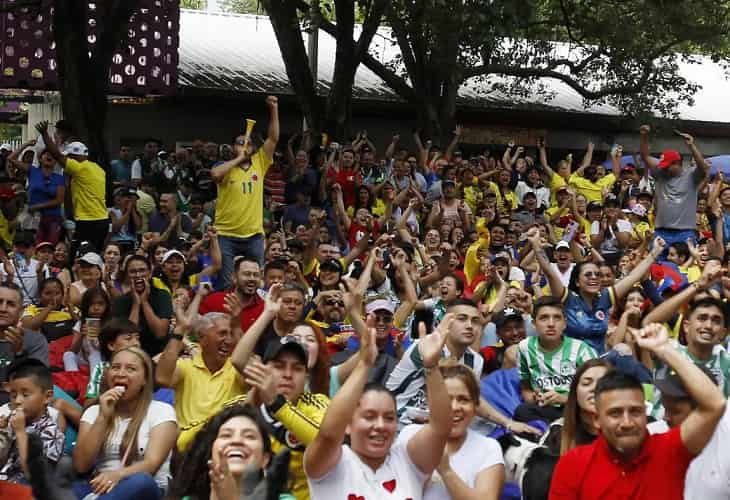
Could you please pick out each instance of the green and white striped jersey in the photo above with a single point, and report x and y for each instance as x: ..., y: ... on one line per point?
x: 408, y: 383
x: 718, y: 364
x: 553, y: 370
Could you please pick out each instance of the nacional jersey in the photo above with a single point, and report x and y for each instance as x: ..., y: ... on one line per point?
x: 554, y: 370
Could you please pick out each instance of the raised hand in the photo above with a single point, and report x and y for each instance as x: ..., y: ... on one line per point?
x: 659, y: 246
x: 272, y: 101
x: 368, y: 348
x: 652, y: 337
x: 42, y: 127
x: 232, y: 305
x: 431, y: 346
x: 687, y: 138
x: 272, y: 302
x: 222, y: 483
x: 259, y: 376
x: 644, y: 129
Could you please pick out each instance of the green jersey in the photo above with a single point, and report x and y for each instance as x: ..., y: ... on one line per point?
x: 551, y: 370
x: 718, y: 364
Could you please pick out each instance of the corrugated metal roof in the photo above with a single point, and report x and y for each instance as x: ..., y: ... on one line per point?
x: 239, y: 53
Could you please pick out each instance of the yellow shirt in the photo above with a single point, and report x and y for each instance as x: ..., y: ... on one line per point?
x: 556, y: 182
x: 200, y: 394
x: 508, y: 201
x: 593, y: 191
x: 6, y: 232
x: 292, y: 426
x: 88, y: 189
x: 239, y: 211
x: 549, y: 213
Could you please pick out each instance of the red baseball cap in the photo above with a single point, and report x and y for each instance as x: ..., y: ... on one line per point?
x: 669, y: 157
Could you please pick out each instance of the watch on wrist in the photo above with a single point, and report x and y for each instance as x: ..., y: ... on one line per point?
x: 177, y: 336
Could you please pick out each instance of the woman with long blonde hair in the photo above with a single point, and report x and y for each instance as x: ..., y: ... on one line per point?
x: 127, y: 438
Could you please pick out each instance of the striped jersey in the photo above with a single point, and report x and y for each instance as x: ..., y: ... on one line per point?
x: 553, y: 370
x: 407, y: 381
x: 718, y: 364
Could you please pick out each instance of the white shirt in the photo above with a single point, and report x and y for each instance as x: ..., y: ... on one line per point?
x: 26, y: 277
x: 478, y: 453
x: 397, y: 479
x: 110, y: 457
x: 564, y: 276
x: 708, y: 476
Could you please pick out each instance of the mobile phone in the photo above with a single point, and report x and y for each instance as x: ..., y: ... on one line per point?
x: 570, y: 231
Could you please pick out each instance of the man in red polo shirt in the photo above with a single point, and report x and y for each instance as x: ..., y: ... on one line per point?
x: 625, y: 462
x: 246, y: 279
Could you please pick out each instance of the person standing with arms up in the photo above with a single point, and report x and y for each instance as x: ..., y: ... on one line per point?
x: 88, y: 190
x: 239, y: 212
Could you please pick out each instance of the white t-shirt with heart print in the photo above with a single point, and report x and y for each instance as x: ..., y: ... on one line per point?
x: 397, y: 479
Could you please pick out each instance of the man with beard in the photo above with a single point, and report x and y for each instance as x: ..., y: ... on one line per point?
x: 283, y: 308
x: 246, y: 279
x: 626, y: 462
x: 329, y: 316
x: 203, y: 383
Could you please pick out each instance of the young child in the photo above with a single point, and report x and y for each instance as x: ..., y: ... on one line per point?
x: 54, y: 316
x: 95, y: 310
x: 115, y: 335
x: 31, y: 391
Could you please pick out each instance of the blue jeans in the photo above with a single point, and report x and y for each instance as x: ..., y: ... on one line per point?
x: 232, y: 247
x: 138, y: 486
x: 674, y: 236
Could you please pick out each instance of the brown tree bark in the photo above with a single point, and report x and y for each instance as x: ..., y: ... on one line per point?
x: 84, y: 80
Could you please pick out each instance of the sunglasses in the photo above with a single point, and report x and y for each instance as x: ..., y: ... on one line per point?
x: 334, y: 302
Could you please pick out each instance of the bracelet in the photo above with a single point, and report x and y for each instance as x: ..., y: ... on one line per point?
x: 176, y: 336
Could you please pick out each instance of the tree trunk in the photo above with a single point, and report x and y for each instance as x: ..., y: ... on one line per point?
x: 284, y: 20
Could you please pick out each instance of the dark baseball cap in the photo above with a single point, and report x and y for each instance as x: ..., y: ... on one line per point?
x: 332, y: 265
x: 285, y: 344
x: 502, y: 317
x: 672, y: 386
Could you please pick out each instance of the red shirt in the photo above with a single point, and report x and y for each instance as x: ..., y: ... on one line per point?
x: 594, y: 472
x: 347, y: 179
x: 249, y: 314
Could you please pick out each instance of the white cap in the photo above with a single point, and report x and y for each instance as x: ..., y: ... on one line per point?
x: 76, y: 148
x: 380, y: 305
x: 94, y: 259
x: 562, y: 244
x: 6, y: 147
x: 172, y: 252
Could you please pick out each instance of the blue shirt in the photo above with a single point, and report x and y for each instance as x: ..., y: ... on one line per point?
x: 121, y: 171
x: 588, y: 322
x: 42, y: 189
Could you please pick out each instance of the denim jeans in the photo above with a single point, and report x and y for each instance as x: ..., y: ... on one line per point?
x: 232, y: 247
x: 138, y: 486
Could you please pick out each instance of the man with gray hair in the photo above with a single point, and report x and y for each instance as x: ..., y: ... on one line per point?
x: 204, y: 382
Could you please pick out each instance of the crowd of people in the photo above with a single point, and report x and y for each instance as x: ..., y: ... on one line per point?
x: 308, y: 319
